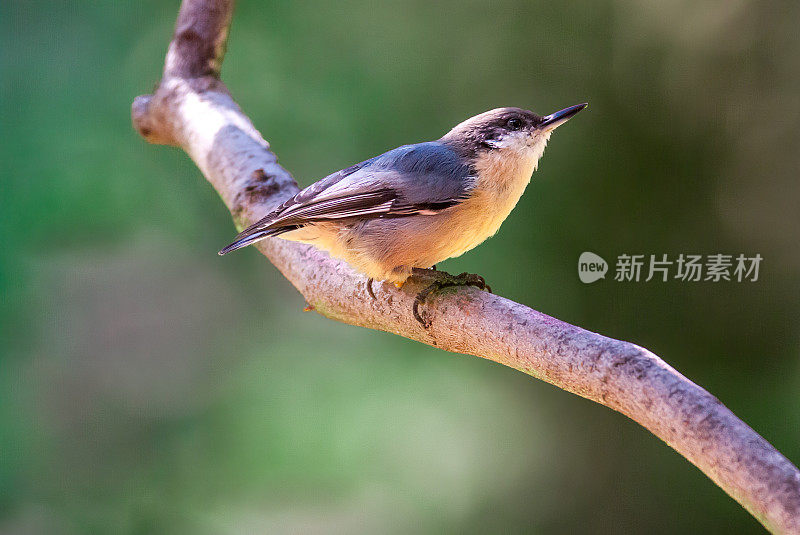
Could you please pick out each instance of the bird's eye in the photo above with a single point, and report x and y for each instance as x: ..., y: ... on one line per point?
x: 514, y: 123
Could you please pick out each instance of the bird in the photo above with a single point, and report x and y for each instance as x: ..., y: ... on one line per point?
x: 402, y: 212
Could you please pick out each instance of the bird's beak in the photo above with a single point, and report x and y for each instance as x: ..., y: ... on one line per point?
x: 554, y: 120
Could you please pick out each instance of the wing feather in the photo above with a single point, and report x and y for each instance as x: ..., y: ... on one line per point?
x: 421, y: 179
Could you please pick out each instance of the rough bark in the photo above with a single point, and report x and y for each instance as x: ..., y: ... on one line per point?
x: 192, y: 109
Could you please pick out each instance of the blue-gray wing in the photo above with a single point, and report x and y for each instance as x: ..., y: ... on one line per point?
x: 421, y: 179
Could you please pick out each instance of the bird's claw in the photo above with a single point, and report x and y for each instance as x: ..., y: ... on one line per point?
x: 443, y: 280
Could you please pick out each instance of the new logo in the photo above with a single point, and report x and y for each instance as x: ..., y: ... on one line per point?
x: 591, y: 267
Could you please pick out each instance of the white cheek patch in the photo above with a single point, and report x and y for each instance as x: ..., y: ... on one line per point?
x: 523, y: 146
x: 513, y: 140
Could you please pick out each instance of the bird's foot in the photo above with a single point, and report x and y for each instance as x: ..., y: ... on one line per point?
x: 441, y: 280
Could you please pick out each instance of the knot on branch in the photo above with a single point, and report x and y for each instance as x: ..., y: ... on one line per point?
x: 149, y: 122
x: 261, y: 187
x: 155, y: 117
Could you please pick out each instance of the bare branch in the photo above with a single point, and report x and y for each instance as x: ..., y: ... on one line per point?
x: 198, y: 46
x: 192, y: 109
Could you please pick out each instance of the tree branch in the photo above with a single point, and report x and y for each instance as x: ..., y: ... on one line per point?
x: 192, y: 109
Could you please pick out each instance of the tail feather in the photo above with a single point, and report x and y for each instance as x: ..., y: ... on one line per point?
x: 252, y: 235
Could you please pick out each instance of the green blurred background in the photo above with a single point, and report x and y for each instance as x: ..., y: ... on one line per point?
x: 149, y: 386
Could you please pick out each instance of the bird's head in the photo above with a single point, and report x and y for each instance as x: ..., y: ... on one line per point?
x: 511, y: 130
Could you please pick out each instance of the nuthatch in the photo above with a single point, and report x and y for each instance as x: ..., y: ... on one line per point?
x: 417, y: 205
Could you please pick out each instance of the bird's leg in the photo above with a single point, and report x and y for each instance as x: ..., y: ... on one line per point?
x: 441, y: 280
